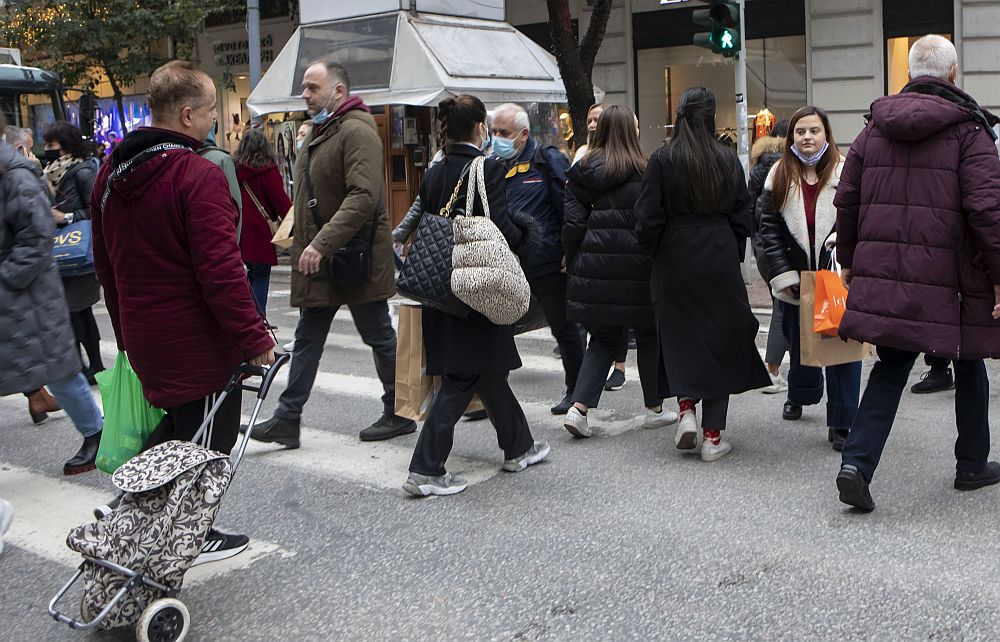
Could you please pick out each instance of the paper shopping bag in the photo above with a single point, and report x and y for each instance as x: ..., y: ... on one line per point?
x: 830, y: 303
x: 818, y: 350
x: 415, y: 389
x: 283, y: 237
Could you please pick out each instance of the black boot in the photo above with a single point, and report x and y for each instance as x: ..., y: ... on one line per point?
x: 934, y: 380
x: 276, y: 430
x: 388, y: 426
x: 971, y: 481
x: 791, y: 411
x: 854, y: 489
x: 84, y: 459
x: 563, y: 406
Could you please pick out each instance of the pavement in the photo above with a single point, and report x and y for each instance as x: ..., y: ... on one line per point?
x: 619, y: 537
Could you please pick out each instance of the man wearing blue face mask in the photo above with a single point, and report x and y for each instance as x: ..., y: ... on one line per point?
x: 339, y: 199
x: 536, y: 185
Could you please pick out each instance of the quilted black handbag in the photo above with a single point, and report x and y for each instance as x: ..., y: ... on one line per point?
x: 426, y: 274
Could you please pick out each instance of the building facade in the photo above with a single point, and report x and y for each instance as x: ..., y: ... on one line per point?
x: 837, y: 54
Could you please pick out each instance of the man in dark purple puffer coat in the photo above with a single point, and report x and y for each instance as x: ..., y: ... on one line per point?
x: 918, y: 223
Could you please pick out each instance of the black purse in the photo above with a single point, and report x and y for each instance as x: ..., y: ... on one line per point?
x: 351, y: 264
x: 426, y: 274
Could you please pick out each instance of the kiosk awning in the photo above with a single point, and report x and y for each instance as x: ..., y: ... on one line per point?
x: 414, y: 59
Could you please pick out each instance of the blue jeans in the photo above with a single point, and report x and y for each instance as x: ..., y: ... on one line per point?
x: 805, y: 384
x: 73, y: 394
x: 260, y: 279
x: 864, y: 445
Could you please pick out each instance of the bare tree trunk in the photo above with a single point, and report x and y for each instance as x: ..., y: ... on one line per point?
x: 119, y: 103
x: 576, y: 61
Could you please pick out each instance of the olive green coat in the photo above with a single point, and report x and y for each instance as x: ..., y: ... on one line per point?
x: 348, y: 177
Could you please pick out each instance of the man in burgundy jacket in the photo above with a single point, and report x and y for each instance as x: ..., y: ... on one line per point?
x: 918, y: 235
x: 165, y: 250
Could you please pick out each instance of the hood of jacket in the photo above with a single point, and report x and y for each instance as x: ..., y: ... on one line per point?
x: 590, y: 173
x: 135, y: 177
x: 925, y: 107
x: 766, y: 145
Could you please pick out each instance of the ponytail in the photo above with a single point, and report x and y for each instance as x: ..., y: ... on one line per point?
x: 444, y: 108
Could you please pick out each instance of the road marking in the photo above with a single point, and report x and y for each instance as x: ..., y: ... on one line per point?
x: 379, y: 465
x: 47, y: 509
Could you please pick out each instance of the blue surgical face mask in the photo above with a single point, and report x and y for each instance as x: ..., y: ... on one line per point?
x: 298, y: 144
x: 503, y: 147
x: 324, y: 114
x: 487, y: 142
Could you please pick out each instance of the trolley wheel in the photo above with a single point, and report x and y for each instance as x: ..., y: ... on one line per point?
x: 165, y: 620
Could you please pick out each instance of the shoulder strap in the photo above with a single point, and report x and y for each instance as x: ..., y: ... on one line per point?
x: 446, y: 210
x: 256, y: 201
x: 313, y: 204
x: 477, y: 184
x: 138, y: 159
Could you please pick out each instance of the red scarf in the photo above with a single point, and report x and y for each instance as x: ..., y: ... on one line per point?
x: 354, y: 102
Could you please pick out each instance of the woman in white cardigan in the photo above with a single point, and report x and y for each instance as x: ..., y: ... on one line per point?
x: 797, y: 228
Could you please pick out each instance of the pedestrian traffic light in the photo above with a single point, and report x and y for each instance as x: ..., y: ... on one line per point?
x: 723, y: 18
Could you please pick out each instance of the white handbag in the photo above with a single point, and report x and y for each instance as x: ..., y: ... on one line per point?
x: 486, y: 275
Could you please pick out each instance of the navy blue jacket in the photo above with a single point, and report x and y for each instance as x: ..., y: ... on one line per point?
x: 541, y: 192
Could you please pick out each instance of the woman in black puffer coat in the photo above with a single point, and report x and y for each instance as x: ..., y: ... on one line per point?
x: 70, y: 175
x: 608, y: 288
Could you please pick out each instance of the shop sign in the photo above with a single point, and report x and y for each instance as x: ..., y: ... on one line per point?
x: 236, y: 53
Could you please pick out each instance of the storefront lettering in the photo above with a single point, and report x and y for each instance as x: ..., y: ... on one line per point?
x: 235, y: 53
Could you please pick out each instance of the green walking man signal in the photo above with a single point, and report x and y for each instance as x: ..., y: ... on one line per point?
x: 724, y: 20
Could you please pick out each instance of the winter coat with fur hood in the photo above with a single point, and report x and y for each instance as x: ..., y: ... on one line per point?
x: 785, y: 233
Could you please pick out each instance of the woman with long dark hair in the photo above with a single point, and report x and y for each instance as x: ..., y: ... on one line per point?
x: 694, y: 219
x: 472, y: 355
x: 608, y: 288
x: 797, y: 230
x: 70, y: 175
x: 264, y: 198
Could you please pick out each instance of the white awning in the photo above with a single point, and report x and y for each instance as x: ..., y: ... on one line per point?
x: 401, y: 58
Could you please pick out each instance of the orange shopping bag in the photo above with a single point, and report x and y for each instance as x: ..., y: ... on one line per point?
x: 830, y: 303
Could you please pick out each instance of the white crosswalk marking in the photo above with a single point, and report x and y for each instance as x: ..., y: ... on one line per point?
x: 46, y: 509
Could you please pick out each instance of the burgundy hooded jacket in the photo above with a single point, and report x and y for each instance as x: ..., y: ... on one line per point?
x: 918, y: 223
x: 165, y: 250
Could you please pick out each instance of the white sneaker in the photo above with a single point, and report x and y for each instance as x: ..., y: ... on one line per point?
x: 289, y: 347
x: 538, y: 452
x: 687, y: 431
x: 711, y: 452
x: 6, y: 515
x: 576, y: 423
x: 659, y: 419
x: 779, y: 383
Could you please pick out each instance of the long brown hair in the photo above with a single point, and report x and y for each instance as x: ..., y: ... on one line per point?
x: 788, y: 173
x: 255, y: 151
x: 617, y: 142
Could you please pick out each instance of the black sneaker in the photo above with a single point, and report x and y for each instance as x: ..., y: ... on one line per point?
x: 476, y: 415
x: 276, y: 430
x: 220, y: 546
x: 854, y: 489
x: 563, y: 406
x: 971, y: 481
x: 616, y: 381
x: 791, y: 411
x: 387, y: 427
x: 837, y: 437
x: 934, y: 380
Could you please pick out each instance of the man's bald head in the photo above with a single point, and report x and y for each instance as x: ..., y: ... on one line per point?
x: 182, y: 98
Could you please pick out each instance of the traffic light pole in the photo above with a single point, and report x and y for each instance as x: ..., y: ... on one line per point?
x: 742, y: 132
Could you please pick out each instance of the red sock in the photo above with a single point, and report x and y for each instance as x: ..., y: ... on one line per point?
x: 714, y: 436
x: 686, y: 405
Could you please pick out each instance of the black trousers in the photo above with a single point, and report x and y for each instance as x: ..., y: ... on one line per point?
x: 714, y: 412
x: 87, y: 335
x: 621, y: 352
x: 880, y: 402
x: 182, y: 422
x: 936, y: 363
x: 550, y: 290
x: 453, y: 397
x: 605, y: 343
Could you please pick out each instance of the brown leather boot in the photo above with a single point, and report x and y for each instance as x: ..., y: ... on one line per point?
x: 40, y: 403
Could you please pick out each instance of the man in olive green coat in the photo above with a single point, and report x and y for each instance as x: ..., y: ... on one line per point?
x: 343, y: 156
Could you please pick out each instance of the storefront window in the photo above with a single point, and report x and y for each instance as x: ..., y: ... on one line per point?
x: 897, y: 61
x: 776, y: 79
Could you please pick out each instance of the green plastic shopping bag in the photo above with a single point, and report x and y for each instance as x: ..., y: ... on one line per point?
x: 128, y: 417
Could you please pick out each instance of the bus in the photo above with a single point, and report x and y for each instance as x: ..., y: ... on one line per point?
x: 31, y: 98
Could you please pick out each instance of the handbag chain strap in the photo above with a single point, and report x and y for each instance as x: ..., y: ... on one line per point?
x: 446, y: 211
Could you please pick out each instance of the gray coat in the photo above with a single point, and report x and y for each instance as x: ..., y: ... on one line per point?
x: 35, y: 333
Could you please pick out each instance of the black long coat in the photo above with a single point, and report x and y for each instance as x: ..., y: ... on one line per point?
x: 707, y: 330
x: 608, y: 271
x: 73, y: 195
x: 473, y: 345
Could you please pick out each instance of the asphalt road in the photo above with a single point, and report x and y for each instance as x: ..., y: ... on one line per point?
x: 619, y: 537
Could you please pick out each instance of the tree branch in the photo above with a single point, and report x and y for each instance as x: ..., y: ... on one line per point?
x: 561, y: 29
x: 595, y: 34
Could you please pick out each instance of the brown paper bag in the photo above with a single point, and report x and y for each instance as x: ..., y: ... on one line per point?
x: 415, y: 389
x: 283, y: 236
x: 818, y: 350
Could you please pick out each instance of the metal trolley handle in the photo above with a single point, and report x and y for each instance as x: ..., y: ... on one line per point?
x: 239, y: 380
